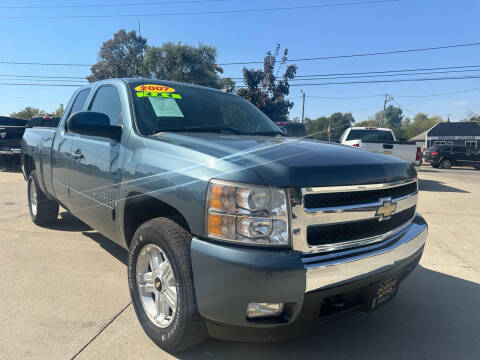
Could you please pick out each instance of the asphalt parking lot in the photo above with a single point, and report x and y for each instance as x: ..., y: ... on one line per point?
x: 64, y: 291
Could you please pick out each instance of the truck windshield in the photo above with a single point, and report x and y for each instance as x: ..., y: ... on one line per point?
x: 370, y: 135
x: 181, y: 108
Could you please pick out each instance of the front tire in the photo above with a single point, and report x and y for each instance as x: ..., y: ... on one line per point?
x: 160, y: 280
x: 43, y: 211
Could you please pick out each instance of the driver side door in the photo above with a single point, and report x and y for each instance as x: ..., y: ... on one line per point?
x: 97, y: 168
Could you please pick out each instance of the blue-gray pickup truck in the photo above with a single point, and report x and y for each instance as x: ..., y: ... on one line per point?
x: 233, y: 230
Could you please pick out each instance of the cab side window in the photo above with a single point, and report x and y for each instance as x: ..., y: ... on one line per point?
x: 107, y: 101
x: 78, y: 103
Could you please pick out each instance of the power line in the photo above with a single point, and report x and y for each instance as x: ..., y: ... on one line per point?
x: 104, y: 5
x: 387, y: 81
x: 382, y: 75
x: 306, y: 84
x: 201, y: 12
x: 303, y: 59
x: 388, y: 75
x: 25, y: 84
x: 404, y: 108
x: 40, y: 80
x: 42, y: 63
x: 363, y: 54
x: 345, y: 97
x: 43, y: 77
x: 381, y: 95
x: 394, y: 71
x: 324, y: 76
x: 439, y: 94
x: 380, y: 72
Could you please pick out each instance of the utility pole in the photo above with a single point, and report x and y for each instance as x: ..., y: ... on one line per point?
x: 387, y: 98
x: 328, y: 129
x: 303, y: 106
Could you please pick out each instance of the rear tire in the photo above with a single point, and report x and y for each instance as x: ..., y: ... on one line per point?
x: 160, y: 280
x: 43, y: 211
x: 445, y: 164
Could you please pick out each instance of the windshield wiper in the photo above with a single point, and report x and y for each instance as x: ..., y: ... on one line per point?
x: 204, y: 129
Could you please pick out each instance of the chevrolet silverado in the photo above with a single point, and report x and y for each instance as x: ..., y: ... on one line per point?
x: 232, y: 229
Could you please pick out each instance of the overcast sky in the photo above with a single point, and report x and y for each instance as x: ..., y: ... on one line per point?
x: 313, y: 32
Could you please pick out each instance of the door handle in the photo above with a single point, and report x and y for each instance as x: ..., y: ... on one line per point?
x: 77, y: 154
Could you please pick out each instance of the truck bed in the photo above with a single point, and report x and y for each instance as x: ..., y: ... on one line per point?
x: 37, y: 143
x: 402, y: 149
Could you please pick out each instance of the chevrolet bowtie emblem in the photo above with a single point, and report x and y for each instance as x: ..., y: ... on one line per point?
x: 386, y: 210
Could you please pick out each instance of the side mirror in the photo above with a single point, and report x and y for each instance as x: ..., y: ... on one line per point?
x: 93, y: 124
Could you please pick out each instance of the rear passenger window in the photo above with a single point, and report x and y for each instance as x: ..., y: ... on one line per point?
x: 459, y: 149
x: 107, y: 101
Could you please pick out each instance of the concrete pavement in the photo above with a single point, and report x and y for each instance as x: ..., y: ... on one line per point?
x: 64, y: 291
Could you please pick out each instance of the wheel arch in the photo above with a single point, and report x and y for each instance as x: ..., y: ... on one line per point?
x: 28, y: 165
x: 140, y: 208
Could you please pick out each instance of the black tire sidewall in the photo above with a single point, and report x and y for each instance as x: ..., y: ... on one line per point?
x: 170, y: 336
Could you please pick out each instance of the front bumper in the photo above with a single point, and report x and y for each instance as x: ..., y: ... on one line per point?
x: 228, y: 278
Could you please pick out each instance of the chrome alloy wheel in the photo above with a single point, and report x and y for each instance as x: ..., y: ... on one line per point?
x: 33, y: 198
x: 156, y: 285
x: 446, y: 164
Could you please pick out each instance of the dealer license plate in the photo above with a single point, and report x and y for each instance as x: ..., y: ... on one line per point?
x: 383, y: 292
x: 387, y: 152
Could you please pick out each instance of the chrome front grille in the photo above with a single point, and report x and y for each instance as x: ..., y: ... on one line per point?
x: 329, y: 199
x: 340, y: 217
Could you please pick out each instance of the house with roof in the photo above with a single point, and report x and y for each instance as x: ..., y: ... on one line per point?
x: 450, y: 133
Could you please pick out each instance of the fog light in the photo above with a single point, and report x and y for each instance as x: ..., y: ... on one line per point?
x: 258, y: 310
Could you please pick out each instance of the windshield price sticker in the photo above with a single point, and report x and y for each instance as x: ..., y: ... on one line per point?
x: 155, y: 87
x: 141, y: 94
x: 155, y: 90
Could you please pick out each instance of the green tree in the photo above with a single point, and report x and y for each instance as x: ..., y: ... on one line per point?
x: 266, y: 90
x: 367, y: 123
x: 421, y: 122
x: 393, y: 117
x: 28, y: 113
x: 59, y: 111
x: 227, y: 84
x: 472, y: 117
x: 186, y: 63
x: 318, y: 128
x: 121, y: 56
x: 392, y: 120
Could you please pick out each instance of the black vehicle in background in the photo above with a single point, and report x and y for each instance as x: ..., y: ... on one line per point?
x: 44, y: 121
x: 11, y: 132
x: 446, y: 156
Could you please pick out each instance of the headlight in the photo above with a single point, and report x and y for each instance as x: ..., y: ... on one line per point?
x: 247, y: 214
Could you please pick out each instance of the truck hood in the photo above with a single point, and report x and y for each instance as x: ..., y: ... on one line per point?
x: 289, y: 162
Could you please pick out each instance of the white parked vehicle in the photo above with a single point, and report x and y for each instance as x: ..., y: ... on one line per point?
x: 383, y: 141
